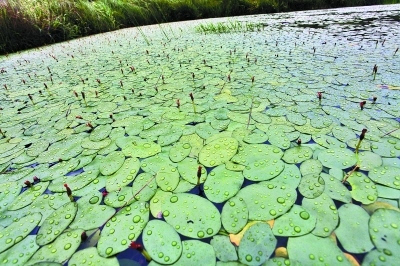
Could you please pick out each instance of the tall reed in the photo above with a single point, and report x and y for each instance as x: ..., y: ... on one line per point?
x: 31, y: 23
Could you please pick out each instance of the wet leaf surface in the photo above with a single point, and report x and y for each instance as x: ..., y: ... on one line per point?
x: 210, y: 133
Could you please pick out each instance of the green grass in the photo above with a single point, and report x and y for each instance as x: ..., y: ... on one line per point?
x: 31, y: 23
x: 228, y: 27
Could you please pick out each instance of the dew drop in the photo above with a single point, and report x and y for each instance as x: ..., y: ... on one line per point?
x: 370, y: 197
x: 136, y: 219
x: 281, y: 200
x: 249, y: 258
x: 200, y: 234
x: 109, y: 250
x: 304, y: 215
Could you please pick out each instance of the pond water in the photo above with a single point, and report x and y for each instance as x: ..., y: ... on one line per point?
x: 274, y: 143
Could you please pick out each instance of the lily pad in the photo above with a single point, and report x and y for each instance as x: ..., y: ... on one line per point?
x: 196, y: 252
x: 124, y: 227
x: 192, y: 215
x: 188, y: 170
x: 141, y: 149
x: 380, y: 258
x: 222, y: 184
x: 111, y: 163
x: 387, y: 147
x: 386, y: 175
x: 311, y: 186
x: 21, y: 252
x: 335, y: 189
x: 162, y: 242
x: 144, y: 187
x: 56, y: 223
x: 256, y: 152
x: 100, y: 132
x: 369, y: 160
x: 28, y: 196
x: 119, y: 198
x: 310, y: 249
x: 218, y: 152
x: 384, y: 230
x: 263, y: 170
x: 311, y: 166
x: 224, y: 249
x: 67, y: 243
x: 13, y: 234
x: 91, y: 216
x: 257, y: 245
x: 353, y: 233
x: 126, y: 174
x: 89, y: 256
x: 363, y: 189
x: 267, y: 200
x: 337, y: 158
x: 168, y: 178
x: 179, y: 151
x: 297, y: 154
x: 234, y: 215
x: 325, y: 210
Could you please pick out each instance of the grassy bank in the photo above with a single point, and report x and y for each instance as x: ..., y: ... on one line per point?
x: 31, y: 23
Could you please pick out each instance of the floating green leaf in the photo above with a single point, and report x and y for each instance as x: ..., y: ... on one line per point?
x: 111, y: 163
x: 267, y: 200
x: 28, y: 196
x: 122, y: 228
x: 125, y: 174
x: 18, y: 230
x: 337, y: 158
x: 162, y: 242
x: 335, y: 189
x: 224, y: 249
x: 234, y: 215
x: 385, y: 231
x: 263, y: 170
x: 141, y: 149
x: 325, y: 210
x: 257, y: 245
x: 256, y: 152
x: 89, y: 256
x: 363, y: 189
x: 55, y: 224
x: 312, y: 250
x: 218, y: 151
x: 353, y: 233
x: 297, y: 222
x: 297, y: 154
x: 20, y: 253
x: 386, y: 175
x: 60, y: 250
x: 311, y: 186
x: 192, y: 215
x: 222, y: 184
